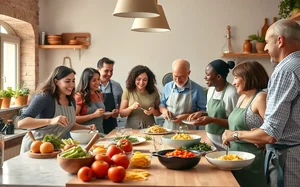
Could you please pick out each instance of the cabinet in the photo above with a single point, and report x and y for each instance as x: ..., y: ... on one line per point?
x: 84, y: 40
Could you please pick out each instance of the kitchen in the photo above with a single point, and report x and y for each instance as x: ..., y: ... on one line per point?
x: 191, y: 35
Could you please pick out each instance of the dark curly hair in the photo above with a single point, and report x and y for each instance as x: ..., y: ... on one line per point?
x: 135, y: 72
x: 84, y: 84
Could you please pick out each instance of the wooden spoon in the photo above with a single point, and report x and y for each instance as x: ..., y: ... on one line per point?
x: 31, y: 136
x: 92, y: 142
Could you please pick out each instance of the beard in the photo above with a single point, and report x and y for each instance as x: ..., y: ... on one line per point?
x: 181, y: 87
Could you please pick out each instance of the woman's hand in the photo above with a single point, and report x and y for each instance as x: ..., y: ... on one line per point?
x: 99, y: 112
x: 149, y: 111
x: 227, y: 137
x: 115, y: 113
x: 135, y: 106
x: 194, y: 115
x: 59, y: 120
x: 202, y: 120
x: 91, y: 127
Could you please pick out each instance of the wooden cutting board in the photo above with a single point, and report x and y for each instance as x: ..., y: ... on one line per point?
x: 43, y: 156
x: 264, y: 28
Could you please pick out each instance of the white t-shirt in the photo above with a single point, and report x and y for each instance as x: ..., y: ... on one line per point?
x: 230, y: 97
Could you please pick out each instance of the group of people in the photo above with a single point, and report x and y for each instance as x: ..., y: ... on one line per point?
x: 253, y: 114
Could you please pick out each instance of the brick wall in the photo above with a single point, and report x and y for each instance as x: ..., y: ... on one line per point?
x: 23, y: 17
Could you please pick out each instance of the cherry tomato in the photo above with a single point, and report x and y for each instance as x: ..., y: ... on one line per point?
x: 121, y: 160
x: 85, y: 174
x: 112, y: 150
x: 100, y: 168
x: 104, y: 157
x: 125, y: 145
x: 116, y: 174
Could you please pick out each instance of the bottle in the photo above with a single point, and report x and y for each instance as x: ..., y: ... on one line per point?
x: 1, y: 150
x: 227, y: 48
x: 247, y: 47
x: 10, y: 127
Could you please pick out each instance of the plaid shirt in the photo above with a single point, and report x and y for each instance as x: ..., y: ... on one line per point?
x: 282, y: 116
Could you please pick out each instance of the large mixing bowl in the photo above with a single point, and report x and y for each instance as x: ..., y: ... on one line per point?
x: 83, y: 136
x: 72, y: 165
x: 177, y: 163
x: 167, y: 140
x: 248, y: 158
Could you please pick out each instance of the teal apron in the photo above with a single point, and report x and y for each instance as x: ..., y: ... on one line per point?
x: 110, y: 123
x: 68, y: 111
x: 252, y: 175
x: 274, y: 163
x: 216, y: 108
x: 99, y: 120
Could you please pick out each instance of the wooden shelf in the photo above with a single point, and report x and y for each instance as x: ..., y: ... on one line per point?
x: 295, y: 17
x: 229, y: 55
x: 63, y: 46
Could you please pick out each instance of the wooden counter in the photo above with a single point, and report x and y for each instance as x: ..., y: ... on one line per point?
x: 204, y: 174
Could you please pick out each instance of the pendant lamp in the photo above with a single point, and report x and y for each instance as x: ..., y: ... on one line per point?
x: 136, y: 9
x: 157, y: 24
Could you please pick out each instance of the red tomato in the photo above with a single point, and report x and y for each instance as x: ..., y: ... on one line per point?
x: 116, y: 174
x: 125, y: 145
x: 121, y: 160
x: 100, y: 168
x: 112, y: 150
x: 104, y: 157
x: 85, y: 174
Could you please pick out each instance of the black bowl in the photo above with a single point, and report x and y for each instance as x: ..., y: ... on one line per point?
x: 177, y: 163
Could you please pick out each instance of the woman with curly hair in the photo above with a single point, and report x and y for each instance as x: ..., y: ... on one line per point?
x: 89, y: 100
x: 140, y: 99
x: 52, y: 110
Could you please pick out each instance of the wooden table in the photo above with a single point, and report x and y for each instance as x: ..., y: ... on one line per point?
x: 204, y: 174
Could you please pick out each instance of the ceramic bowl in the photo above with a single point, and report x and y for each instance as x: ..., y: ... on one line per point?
x: 167, y: 140
x: 83, y: 136
x: 72, y: 165
x: 230, y: 164
x: 177, y: 163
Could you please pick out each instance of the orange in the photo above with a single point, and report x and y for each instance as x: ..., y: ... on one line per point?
x: 35, y: 146
x: 46, y: 147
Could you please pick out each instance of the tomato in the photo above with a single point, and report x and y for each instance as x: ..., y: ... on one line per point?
x: 116, y: 174
x: 85, y: 174
x: 100, y: 168
x: 104, y: 158
x: 112, y: 150
x: 121, y: 160
x: 125, y: 145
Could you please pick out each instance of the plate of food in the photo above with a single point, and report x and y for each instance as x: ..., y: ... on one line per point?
x: 189, y: 122
x: 133, y: 139
x: 202, y: 146
x: 156, y: 129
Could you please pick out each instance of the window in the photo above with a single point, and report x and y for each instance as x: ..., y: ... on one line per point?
x: 9, y: 57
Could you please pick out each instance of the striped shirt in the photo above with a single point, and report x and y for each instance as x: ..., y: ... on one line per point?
x: 282, y: 116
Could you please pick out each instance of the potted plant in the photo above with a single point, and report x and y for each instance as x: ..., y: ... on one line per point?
x: 6, y: 96
x: 260, y: 42
x: 21, y: 96
x: 286, y: 7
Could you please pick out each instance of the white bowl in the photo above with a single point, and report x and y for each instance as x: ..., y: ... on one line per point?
x: 230, y: 164
x: 83, y: 136
x: 166, y: 139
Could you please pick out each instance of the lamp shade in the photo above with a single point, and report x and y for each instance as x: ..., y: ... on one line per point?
x: 157, y: 24
x: 136, y: 9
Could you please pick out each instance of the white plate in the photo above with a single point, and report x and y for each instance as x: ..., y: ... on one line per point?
x: 140, y: 140
x: 153, y: 133
x: 189, y: 122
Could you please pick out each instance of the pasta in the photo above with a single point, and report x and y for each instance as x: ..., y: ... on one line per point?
x: 230, y: 157
x: 156, y: 129
x: 136, y: 174
x: 182, y: 136
x: 140, y: 160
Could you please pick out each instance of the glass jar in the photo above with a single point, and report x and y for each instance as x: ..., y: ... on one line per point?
x: 10, y: 127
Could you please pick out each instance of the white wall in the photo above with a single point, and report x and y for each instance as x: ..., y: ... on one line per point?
x: 198, y: 30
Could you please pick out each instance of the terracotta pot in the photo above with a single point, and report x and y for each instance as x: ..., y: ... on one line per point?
x: 5, y: 102
x: 1, y: 101
x: 247, y: 47
x: 260, y: 46
x: 20, y: 100
x: 25, y: 100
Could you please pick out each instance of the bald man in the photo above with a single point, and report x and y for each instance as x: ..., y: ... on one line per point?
x: 281, y: 127
x: 181, y: 96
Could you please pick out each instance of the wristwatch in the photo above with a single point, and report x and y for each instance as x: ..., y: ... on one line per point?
x: 236, y: 135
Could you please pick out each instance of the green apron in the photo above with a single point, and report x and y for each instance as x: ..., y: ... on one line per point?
x: 216, y: 108
x: 252, y: 175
